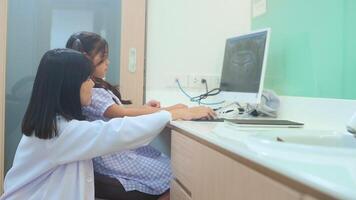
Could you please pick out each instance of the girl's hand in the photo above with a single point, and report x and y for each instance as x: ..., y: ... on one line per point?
x: 200, y: 112
x: 193, y: 113
x: 177, y: 106
x: 154, y: 103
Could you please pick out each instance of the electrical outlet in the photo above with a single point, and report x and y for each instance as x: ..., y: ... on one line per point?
x: 194, y: 81
x: 183, y: 81
x: 213, y: 81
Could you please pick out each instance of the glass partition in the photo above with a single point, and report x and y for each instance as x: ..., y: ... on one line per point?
x: 313, y: 47
x: 37, y: 26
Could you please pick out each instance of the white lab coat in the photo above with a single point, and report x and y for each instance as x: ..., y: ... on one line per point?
x: 61, y: 168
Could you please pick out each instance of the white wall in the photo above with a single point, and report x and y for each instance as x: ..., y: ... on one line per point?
x: 188, y: 37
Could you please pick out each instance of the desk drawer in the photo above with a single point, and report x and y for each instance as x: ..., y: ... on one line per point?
x: 182, y: 158
x: 177, y: 192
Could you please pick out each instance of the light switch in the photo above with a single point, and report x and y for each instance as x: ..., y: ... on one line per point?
x: 259, y: 7
x: 132, y: 60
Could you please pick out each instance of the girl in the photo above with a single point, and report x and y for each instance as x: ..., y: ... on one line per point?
x: 142, y: 173
x: 53, y: 158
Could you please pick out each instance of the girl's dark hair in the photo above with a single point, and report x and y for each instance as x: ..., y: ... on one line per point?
x: 93, y: 44
x: 56, y: 91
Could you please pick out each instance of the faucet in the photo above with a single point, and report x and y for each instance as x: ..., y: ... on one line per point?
x: 351, y: 125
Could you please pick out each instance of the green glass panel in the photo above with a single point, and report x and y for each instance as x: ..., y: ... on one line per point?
x: 313, y: 47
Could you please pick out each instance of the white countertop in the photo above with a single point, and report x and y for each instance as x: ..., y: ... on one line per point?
x: 329, y: 170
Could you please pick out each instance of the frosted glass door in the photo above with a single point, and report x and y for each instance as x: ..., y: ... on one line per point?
x: 35, y: 26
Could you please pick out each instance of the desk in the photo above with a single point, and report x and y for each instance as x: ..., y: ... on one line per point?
x: 205, y: 169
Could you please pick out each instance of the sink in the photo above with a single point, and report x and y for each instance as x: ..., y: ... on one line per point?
x: 288, y: 136
x: 310, y: 137
x: 321, y: 158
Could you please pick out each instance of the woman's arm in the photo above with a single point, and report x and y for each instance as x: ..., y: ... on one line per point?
x: 83, y: 140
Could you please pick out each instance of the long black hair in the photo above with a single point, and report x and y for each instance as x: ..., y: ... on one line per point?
x: 93, y: 44
x: 56, y: 91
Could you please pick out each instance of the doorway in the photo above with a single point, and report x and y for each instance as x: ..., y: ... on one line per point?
x: 33, y: 27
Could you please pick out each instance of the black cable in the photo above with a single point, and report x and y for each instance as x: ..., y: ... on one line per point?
x: 205, y: 95
x: 206, y: 84
x: 208, y: 93
x: 198, y: 98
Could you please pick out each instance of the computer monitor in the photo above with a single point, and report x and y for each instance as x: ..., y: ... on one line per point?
x: 244, y: 67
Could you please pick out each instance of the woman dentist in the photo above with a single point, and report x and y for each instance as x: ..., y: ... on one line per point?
x: 53, y: 158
